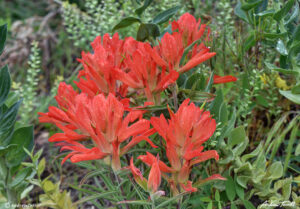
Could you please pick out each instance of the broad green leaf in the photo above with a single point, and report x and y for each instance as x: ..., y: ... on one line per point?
x: 230, y: 188
x: 242, y: 181
x: 280, y: 47
x: 296, y: 89
x: 248, y: 205
x: 293, y: 15
x: 237, y: 136
x: 7, y: 122
x: 239, y: 191
x: 251, y: 5
x: 233, y: 206
x: 289, y: 95
x: 275, y: 171
x: 127, y: 21
x: 147, y: 30
x: 210, y: 205
x: 254, y: 153
x: 284, y: 10
x: 21, y: 175
x: 296, y: 34
x: 239, y: 12
x: 165, y: 15
x: 141, y: 9
x: 3, y: 33
x: 5, y: 83
x: 23, y: 137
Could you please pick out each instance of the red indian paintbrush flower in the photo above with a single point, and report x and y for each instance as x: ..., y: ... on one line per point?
x: 171, y: 50
x: 190, y: 29
x: 101, y: 120
x: 144, y: 74
x: 154, y: 179
x: 98, y: 75
x: 184, y: 134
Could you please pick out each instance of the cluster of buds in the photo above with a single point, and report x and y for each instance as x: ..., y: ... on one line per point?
x: 98, y: 121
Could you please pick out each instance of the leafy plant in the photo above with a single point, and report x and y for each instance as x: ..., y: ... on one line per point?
x: 13, y: 137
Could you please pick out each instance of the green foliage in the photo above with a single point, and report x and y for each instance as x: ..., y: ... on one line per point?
x: 13, y: 139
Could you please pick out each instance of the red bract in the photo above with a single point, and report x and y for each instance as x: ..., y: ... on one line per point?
x: 184, y: 134
x: 190, y: 29
x: 101, y: 119
x: 154, y: 179
x: 145, y: 75
x: 171, y: 50
x: 98, y: 75
x: 224, y: 79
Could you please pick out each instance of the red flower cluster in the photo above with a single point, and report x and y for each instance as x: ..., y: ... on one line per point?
x: 98, y: 122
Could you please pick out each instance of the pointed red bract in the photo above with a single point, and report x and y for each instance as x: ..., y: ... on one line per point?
x: 224, y: 79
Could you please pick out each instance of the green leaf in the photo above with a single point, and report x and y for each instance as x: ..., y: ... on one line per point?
x: 248, y: 205
x: 215, y: 106
x: 3, y: 33
x: 210, y: 205
x: 275, y: 171
x: 5, y: 83
x: 21, y: 175
x: 284, y: 10
x: 294, y: 15
x: 297, y: 151
x: 41, y: 167
x: 217, y: 196
x: 230, y: 188
x: 147, y: 30
x: 265, y: 13
x: 289, y: 95
x: 281, y: 70
x: 251, y: 5
x: 233, y: 206
x: 165, y: 15
x: 296, y: 34
x: 141, y: 9
x: 249, y: 42
x: 23, y: 137
x: 223, y: 114
x: 274, y: 35
x: 7, y: 122
x: 237, y: 136
x: 296, y: 89
x: 239, y: 12
x: 127, y: 21
x: 239, y: 191
x: 280, y: 47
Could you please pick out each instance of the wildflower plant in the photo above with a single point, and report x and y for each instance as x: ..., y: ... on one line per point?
x: 121, y: 83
